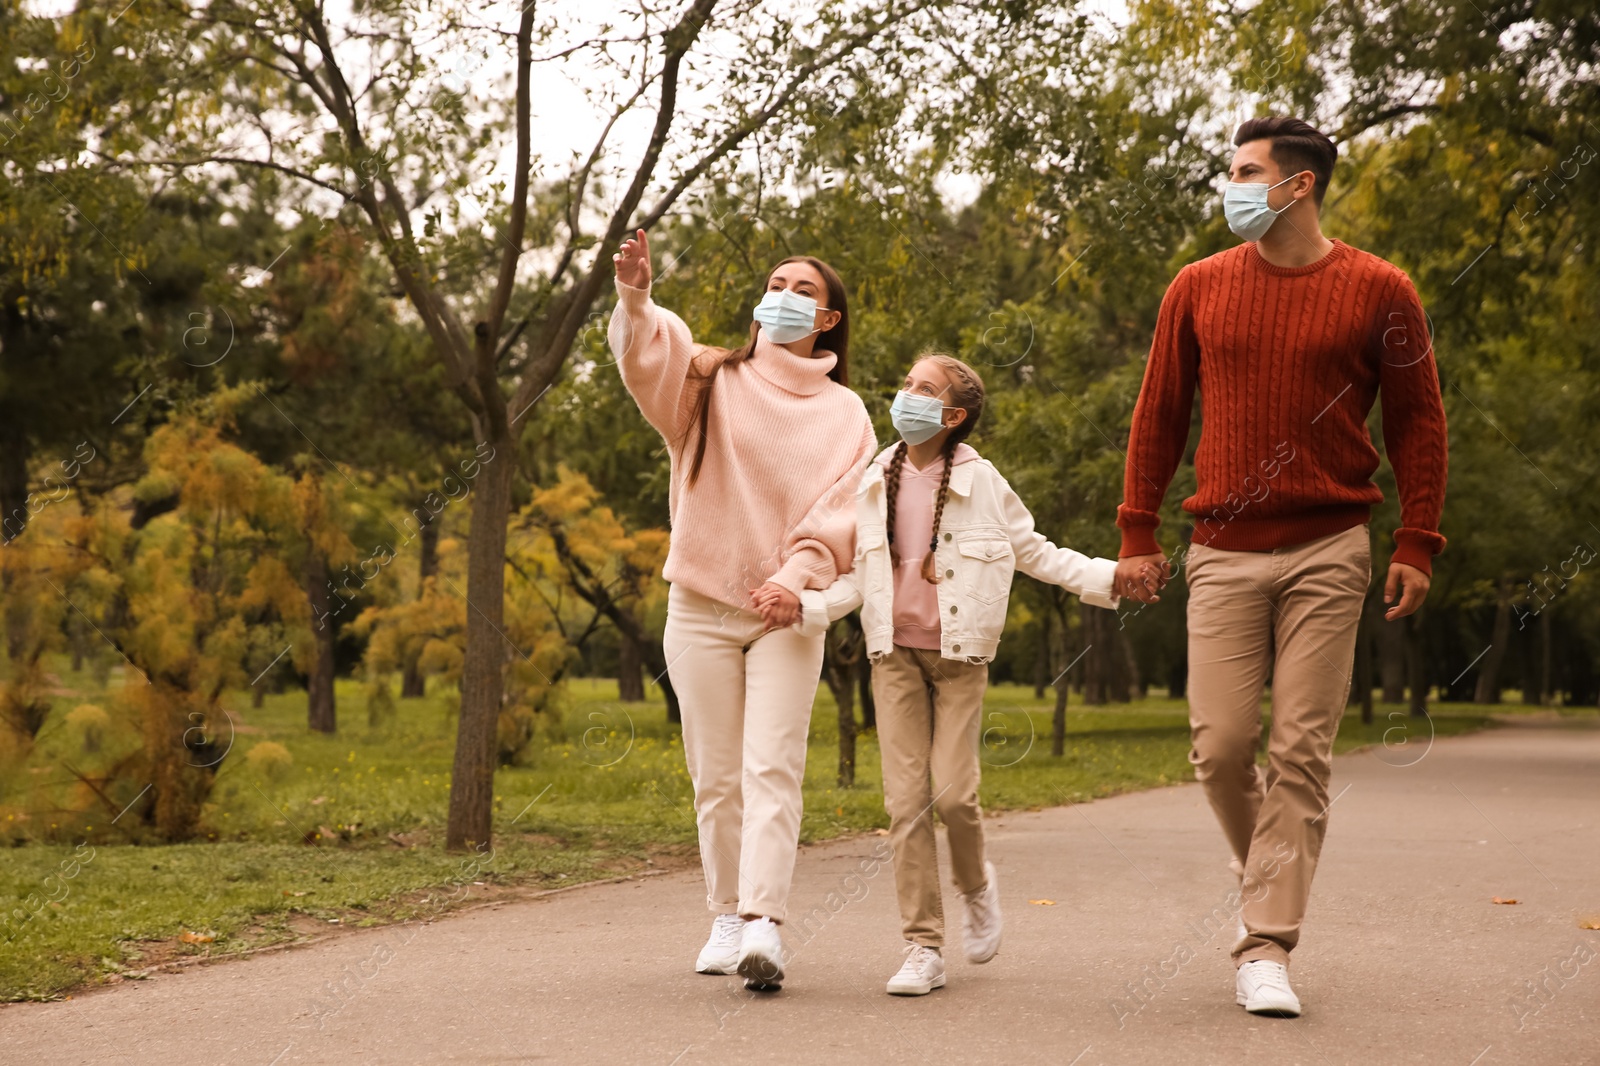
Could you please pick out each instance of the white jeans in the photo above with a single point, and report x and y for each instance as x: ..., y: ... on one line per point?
x: 746, y: 701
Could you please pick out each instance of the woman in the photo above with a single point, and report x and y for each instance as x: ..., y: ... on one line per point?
x: 766, y: 444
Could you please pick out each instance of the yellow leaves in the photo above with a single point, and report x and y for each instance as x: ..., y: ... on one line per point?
x: 1508, y: 902
x: 1043, y: 902
x: 196, y: 938
x: 1589, y: 921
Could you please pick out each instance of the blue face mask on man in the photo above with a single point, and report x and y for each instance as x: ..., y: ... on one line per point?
x: 916, y: 418
x: 786, y: 316
x: 1244, y: 205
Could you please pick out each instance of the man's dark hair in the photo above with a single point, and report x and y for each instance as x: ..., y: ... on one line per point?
x: 1296, y: 146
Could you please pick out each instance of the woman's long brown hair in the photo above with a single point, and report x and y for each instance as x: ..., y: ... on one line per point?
x: 835, y: 340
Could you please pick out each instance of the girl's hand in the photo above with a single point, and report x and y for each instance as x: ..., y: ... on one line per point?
x: 778, y: 606
x: 633, y: 261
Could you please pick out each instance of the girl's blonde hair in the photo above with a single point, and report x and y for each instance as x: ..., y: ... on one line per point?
x: 966, y: 392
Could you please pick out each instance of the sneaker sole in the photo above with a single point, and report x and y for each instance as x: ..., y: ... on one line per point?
x: 917, y: 990
x: 720, y: 971
x: 981, y: 959
x: 760, y: 973
x: 1266, y: 1010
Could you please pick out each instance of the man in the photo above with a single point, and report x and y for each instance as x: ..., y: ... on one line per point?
x: 1289, y: 338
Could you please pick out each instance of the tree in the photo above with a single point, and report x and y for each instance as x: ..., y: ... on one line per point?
x: 401, y: 155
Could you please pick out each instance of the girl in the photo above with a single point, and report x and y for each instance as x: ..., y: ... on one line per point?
x: 939, y: 534
x: 765, y: 443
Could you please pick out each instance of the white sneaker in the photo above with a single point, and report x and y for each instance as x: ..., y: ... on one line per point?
x: 921, y: 973
x: 983, y: 919
x: 721, y: 953
x: 761, y: 955
x: 1263, y: 988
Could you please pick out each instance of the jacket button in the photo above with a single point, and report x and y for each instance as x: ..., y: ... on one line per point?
x: 952, y: 608
x: 956, y: 648
x: 949, y: 573
x: 947, y: 536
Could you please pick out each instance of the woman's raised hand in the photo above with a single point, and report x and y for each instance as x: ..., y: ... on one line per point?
x: 633, y: 261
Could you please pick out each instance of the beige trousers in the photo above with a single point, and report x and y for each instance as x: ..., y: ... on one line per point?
x: 746, y: 699
x: 929, y: 710
x: 1294, y: 608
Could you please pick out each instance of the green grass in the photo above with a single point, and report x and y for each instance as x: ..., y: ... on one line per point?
x: 604, y: 792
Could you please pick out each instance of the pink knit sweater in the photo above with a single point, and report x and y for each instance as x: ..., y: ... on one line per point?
x: 785, y: 449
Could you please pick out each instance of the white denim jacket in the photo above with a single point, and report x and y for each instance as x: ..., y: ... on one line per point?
x: 986, y: 534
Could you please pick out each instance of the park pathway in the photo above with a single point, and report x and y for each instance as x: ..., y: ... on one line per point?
x: 1404, y: 959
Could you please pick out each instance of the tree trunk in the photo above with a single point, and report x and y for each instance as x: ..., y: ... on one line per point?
x: 1530, y: 666
x: 1134, y: 685
x: 845, y: 696
x: 1488, y: 687
x: 630, y: 678
x: 869, y: 706
x: 471, y: 820
x: 1546, y: 689
x: 1041, y: 658
x: 1058, y: 718
x: 412, y: 684
x: 1416, y: 666
x: 321, y: 713
x: 1391, y: 637
x: 839, y: 660
x: 1096, y: 660
x: 1363, y: 665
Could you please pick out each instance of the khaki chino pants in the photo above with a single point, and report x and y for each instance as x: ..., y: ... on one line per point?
x: 929, y: 710
x: 746, y: 699
x: 1296, y: 609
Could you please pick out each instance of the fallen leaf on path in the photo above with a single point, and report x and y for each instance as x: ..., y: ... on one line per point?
x: 1590, y: 922
x: 1043, y: 902
x: 1497, y: 899
x: 197, y: 938
x: 882, y: 832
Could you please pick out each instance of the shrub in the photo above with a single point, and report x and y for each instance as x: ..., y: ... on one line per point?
x: 270, y: 759
x: 89, y: 722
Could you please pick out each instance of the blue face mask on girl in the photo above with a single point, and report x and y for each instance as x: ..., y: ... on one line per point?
x: 786, y: 316
x: 916, y: 418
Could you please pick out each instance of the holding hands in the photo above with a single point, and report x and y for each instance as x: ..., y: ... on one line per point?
x: 778, y: 606
x: 1142, y: 577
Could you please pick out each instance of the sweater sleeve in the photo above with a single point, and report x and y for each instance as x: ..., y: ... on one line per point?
x: 826, y: 536
x: 1160, y: 427
x: 1088, y: 579
x: 1414, y: 432
x: 655, y: 355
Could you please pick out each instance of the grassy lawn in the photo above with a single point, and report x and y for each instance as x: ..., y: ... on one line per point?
x: 348, y: 834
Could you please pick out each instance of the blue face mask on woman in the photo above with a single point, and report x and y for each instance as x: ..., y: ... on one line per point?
x: 1244, y: 205
x: 916, y: 418
x: 786, y: 316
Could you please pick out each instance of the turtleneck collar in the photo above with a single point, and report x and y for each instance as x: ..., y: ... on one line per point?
x: 802, y: 375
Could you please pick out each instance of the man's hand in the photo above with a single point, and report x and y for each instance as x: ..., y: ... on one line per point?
x: 1410, y: 584
x: 1142, y: 577
x: 777, y: 605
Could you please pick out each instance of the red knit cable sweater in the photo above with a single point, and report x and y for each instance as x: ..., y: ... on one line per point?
x: 1288, y: 362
